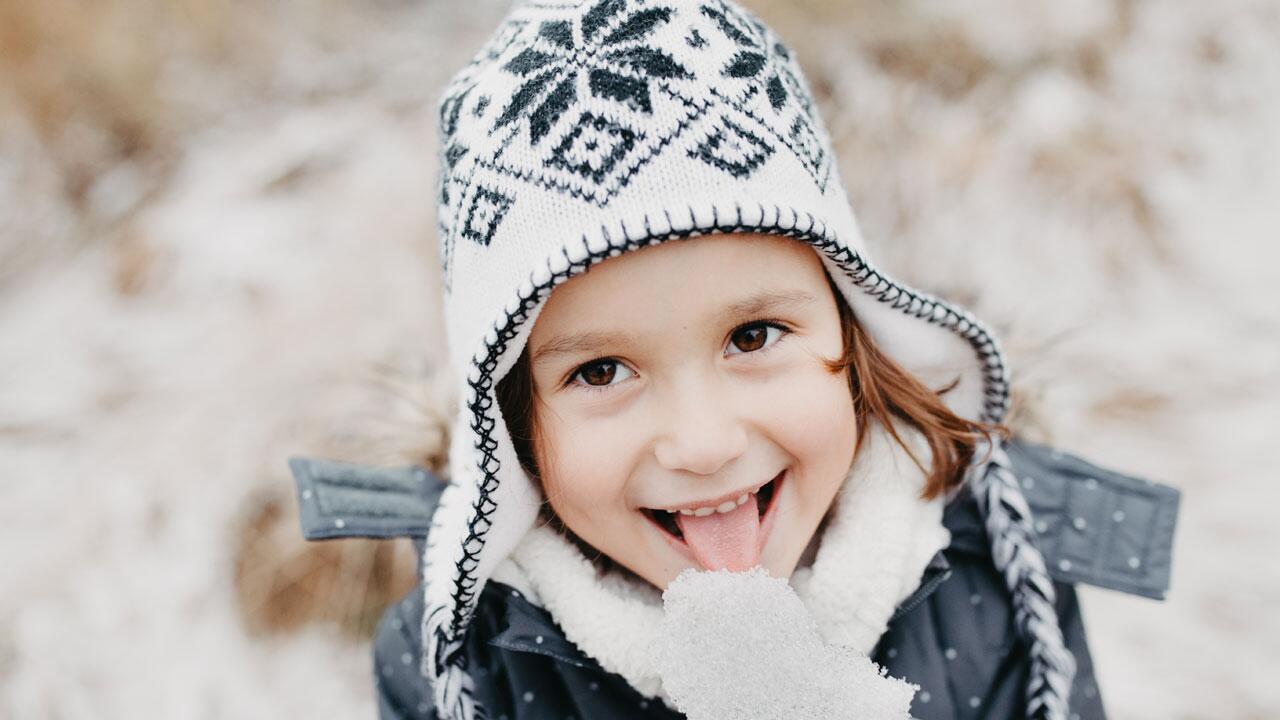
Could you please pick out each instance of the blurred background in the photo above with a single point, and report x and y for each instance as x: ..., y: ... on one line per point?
x: 217, y: 250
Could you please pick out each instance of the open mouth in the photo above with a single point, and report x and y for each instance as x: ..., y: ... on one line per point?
x: 763, y: 498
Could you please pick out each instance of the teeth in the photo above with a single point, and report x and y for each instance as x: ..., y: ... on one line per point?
x: 724, y: 507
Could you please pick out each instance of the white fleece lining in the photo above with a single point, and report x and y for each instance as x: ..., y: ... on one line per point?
x: 880, y: 537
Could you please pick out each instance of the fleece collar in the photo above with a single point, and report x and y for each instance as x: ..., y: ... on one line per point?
x: 880, y: 538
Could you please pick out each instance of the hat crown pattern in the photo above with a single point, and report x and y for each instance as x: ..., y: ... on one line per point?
x: 567, y: 103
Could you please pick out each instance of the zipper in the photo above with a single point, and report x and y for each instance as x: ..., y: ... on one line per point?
x: 920, y: 594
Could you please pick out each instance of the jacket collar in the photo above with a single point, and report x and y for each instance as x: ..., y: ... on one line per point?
x: 873, y: 552
x: 528, y: 628
x: 531, y: 628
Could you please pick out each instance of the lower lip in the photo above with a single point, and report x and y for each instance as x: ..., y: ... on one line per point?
x: 766, y: 523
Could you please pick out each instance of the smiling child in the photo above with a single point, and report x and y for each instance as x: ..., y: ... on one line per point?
x: 675, y: 353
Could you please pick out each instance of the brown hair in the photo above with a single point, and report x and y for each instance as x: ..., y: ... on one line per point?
x: 881, y: 389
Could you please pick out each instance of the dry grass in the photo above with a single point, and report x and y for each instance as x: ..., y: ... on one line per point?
x: 89, y: 76
x: 283, y: 582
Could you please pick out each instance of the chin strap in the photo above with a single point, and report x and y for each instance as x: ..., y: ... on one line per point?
x: 1016, y: 557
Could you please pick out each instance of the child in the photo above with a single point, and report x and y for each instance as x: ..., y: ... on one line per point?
x: 675, y: 354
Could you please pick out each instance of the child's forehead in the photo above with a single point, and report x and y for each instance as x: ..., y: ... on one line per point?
x: 709, y: 252
x: 744, y: 272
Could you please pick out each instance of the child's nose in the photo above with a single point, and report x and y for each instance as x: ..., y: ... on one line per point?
x: 699, y: 433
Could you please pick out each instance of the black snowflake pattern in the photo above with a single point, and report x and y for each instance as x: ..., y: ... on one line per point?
x: 450, y: 117
x: 594, y: 147
x: 760, y: 56
x: 450, y: 158
x: 456, y: 95
x: 484, y: 215
x: 767, y: 67
x: 612, y: 56
x: 577, y: 98
x: 734, y: 149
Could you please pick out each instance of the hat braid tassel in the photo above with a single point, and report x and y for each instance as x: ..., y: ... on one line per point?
x: 1016, y: 557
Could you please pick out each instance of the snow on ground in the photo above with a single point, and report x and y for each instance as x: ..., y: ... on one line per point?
x: 1099, y: 185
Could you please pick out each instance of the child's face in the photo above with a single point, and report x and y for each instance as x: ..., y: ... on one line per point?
x: 661, y: 384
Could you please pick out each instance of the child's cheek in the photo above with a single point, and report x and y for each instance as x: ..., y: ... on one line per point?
x: 811, y: 415
x: 586, y: 471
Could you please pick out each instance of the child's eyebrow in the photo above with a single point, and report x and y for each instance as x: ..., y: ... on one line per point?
x: 588, y: 342
x: 584, y: 343
x: 765, y: 302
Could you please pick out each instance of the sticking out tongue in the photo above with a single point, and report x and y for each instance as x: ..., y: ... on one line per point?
x: 724, y: 541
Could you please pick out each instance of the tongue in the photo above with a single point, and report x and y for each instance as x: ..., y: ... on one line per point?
x: 724, y: 541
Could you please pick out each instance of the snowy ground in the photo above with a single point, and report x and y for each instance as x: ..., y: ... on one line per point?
x: 1101, y: 184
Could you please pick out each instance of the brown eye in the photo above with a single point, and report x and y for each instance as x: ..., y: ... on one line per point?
x: 599, y: 373
x: 750, y: 338
x: 755, y: 337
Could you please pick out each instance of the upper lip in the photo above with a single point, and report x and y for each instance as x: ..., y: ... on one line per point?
x: 717, y: 501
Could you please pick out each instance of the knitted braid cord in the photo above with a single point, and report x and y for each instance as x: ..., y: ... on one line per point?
x: 1016, y: 557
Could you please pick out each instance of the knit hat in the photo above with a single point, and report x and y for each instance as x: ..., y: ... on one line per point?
x: 585, y: 129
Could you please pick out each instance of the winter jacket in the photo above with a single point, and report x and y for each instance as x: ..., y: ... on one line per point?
x: 954, y: 636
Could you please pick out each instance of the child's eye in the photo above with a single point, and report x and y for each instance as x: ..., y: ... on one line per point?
x: 599, y: 374
x: 754, y: 337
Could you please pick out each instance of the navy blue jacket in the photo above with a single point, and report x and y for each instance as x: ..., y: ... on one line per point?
x: 954, y: 636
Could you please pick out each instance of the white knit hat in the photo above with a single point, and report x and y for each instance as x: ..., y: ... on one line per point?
x: 582, y: 130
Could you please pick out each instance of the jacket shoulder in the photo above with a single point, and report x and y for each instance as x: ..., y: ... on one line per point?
x: 339, y: 499
x: 1098, y: 526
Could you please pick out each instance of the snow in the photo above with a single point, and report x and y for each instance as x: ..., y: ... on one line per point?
x: 743, y: 645
x: 1104, y: 194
